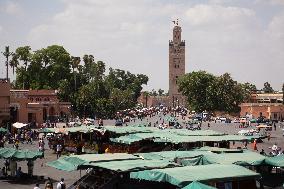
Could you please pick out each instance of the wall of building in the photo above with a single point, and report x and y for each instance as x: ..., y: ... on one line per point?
x: 37, y: 106
x: 269, y: 110
x: 176, y: 64
x: 4, y: 100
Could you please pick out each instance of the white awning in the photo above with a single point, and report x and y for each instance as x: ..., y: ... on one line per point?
x: 19, y: 125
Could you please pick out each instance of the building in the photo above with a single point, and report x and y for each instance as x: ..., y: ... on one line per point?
x: 176, y: 65
x: 269, y: 105
x: 30, y: 106
x: 4, y: 101
x: 37, y: 106
x: 148, y: 101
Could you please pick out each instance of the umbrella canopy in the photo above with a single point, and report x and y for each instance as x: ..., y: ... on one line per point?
x: 198, y: 185
x: 19, y: 155
x: 3, y: 130
x: 19, y: 125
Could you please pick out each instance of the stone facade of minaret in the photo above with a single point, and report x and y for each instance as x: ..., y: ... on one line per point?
x: 176, y: 65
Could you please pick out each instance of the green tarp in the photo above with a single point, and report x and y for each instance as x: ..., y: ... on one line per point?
x: 277, y: 161
x: 170, y: 119
x: 66, y: 163
x: 245, y: 158
x: 128, y: 130
x: 218, y: 150
x: 47, y: 130
x: 186, y: 132
x: 19, y: 155
x: 198, y: 185
x: 130, y: 165
x: 3, y: 130
x: 171, y: 155
x: 182, y: 176
x: 71, y: 163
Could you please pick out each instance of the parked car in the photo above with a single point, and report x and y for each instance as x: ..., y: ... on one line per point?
x: 118, y: 122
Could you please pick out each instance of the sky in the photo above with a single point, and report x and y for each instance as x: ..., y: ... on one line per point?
x: 241, y: 37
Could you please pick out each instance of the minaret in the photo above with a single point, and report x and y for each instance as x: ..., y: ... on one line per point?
x: 176, y: 64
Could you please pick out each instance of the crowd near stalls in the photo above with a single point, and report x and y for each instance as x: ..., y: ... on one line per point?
x: 20, y: 133
x: 156, y: 147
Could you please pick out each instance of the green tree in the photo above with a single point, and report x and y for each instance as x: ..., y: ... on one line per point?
x: 14, y: 62
x: 24, y: 55
x: 267, y: 88
x: 206, y: 92
x: 161, y: 92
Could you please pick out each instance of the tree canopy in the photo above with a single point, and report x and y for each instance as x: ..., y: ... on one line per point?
x: 207, y: 92
x: 267, y: 88
x: 81, y: 81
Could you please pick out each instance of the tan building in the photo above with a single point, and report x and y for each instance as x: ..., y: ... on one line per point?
x: 148, y: 101
x: 176, y: 66
x: 264, y: 104
x: 30, y: 106
x: 37, y: 106
x: 4, y: 101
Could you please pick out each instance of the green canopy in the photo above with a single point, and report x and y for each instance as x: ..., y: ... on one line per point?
x: 71, y: 163
x: 19, y: 155
x: 128, y: 130
x: 170, y: 119
x: 218, y: 150
x: 130, y: 165
x: 3, y: 130
x: 245, y: 158
x: 182, y: 176
x: 67, y: 163
x: 277, y: 161
x: 198, y: 185
x: 47, y: 130
x: 171, y: 155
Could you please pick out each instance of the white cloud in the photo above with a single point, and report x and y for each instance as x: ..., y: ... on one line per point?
x: 134, y: 36
x: 12, y: 8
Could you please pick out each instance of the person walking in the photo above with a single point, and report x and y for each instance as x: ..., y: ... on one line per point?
x: 61, y: 184
x: 48, y: 184
x: 37, y: 186
x: 254, y: 145
x: 58, y: 150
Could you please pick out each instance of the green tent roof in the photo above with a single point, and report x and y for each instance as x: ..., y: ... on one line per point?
x: 130, y: 165
x: 3, y: 130
x: 182, y: 176
x: 186, y: 132
x: 71, y: 163
x: 128, y: 129
x: 216, y: 149
x: 171, y: 155
x: 198, y: 185
x: 19, y: 155
x: 277, y: 161
x: 170, y: 119
x: 245, y: 158
x: 47, y: 130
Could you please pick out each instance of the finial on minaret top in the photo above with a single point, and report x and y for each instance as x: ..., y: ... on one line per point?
x: 175, y: 22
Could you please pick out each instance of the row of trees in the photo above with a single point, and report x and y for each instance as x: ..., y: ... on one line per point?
x: 81, y: 81
x: 207, y: 92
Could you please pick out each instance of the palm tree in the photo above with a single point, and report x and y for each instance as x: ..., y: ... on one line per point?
x: 75, y: 61
x: 14, y: 62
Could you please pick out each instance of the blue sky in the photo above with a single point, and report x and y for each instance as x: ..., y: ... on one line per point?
x: 244, y: 38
